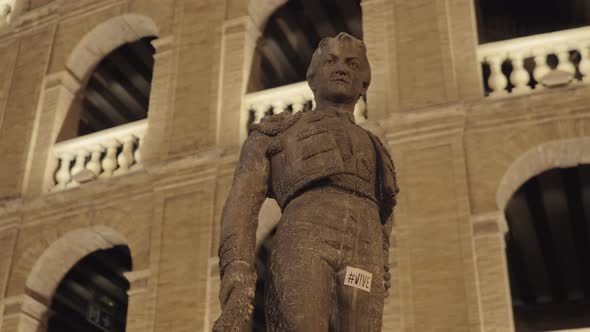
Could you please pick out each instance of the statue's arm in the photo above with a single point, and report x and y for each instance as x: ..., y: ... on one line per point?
x: 239, y: 218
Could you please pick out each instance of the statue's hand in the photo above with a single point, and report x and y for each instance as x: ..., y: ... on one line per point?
x: 386, y: 280
x: 386, y: 274
x: 236, y: 296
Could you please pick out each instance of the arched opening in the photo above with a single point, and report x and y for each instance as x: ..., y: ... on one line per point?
x: 92, y: 297
x: 548, y: 249
x: 292, y: 33
x: 283, y: 54
x: 117, y: 91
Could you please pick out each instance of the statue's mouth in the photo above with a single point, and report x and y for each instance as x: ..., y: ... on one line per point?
x: 340, y: 80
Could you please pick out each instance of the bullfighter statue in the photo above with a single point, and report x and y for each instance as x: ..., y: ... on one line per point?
x: 335, y: 183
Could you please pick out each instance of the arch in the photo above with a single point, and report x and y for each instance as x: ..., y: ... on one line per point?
x: 106, y: 37
x: 56, y: 261
x: 554, y: 154
x: 261, y: 10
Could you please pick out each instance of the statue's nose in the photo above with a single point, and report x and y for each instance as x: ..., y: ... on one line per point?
x: 341, y: 70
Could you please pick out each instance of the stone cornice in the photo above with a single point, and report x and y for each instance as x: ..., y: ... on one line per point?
x: 489, y: 224
x: 26, y: 21
x: 537, y: 107
x: 427, y: 123
x: 165, y: 175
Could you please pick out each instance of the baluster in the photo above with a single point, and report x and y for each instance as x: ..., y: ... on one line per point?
x: 520, y: 76
x: 94, y: 165
x: 5, y: 11
x: 563, y: 55
x: 497, y: 81
x: 259, y: 112
x: 584, y: 65
x: 63, y: 175
x: 78, y: 167
x: 298, y: 104
x: 359, y: 111
x: 278, y: 106
x: 125, y: 158
x: 109, y: 163
x: 137, y: 153
x: 541, y: 67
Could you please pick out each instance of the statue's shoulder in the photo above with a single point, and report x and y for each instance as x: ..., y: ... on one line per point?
x: 380, y: 145
x: 275, y: 124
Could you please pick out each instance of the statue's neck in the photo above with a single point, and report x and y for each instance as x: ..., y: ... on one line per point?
x: 330, y: 106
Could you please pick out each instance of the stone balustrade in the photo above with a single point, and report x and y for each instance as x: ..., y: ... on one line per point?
x: 102, y: 154
x: 6, y: 9
x: 532, y: 63
x: 292, y: 98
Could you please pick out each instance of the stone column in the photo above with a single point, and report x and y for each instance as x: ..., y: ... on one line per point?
x: 23, y: 314
x: 431, y: 53
x: 494, y: 287
x: 379, y: 37
x: 138, y: 318
x: 435, y: 268
x: 59, y: 92
x: 238, y: 42
x: 160, y: 110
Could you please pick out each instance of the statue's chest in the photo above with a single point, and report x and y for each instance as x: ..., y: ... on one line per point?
x: 330, y: 141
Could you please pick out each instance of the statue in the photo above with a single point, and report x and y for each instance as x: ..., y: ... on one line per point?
x: 335, y: 183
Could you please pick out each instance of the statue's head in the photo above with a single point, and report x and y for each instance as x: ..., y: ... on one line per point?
x: 339, y: 70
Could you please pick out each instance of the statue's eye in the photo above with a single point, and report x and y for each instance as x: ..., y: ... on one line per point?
x: 353, y: 65
x: 330, y: 61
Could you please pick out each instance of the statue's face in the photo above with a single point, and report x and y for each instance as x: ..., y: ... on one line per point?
x: 340, y: 73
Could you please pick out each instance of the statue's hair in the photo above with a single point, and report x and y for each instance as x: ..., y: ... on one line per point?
x: 342, y: 37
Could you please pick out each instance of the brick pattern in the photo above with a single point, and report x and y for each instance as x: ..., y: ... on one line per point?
x: 452, y: 148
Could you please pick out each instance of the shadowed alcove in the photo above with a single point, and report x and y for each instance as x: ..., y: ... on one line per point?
x: 92, y: 297
x: 548, y: 250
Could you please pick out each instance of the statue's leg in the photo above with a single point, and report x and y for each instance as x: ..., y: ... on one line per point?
x: 360, y: 310
x: 361, y: 307
x: 300, y: 286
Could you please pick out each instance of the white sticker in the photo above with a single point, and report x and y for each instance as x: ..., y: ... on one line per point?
x: 358, y: 278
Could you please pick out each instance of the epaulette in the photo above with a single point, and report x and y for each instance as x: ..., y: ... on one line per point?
x: 275, y: 124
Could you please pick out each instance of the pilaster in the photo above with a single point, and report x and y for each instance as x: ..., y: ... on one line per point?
x: 239, y: 37
x: 489, y: 230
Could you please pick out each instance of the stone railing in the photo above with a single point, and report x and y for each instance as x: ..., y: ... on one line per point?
x: 292, y: 98
x: 6, y: 9
x: 102, y: 154
x: 523, y: 64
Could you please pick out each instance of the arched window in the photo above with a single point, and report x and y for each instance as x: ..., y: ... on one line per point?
x: 117, y: 91
x: 284, y: 52
x: 292, y: 34
x: 92, y: 297
x: 548, y: 250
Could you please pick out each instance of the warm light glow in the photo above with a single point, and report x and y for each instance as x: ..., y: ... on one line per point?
x: 6, y: 9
